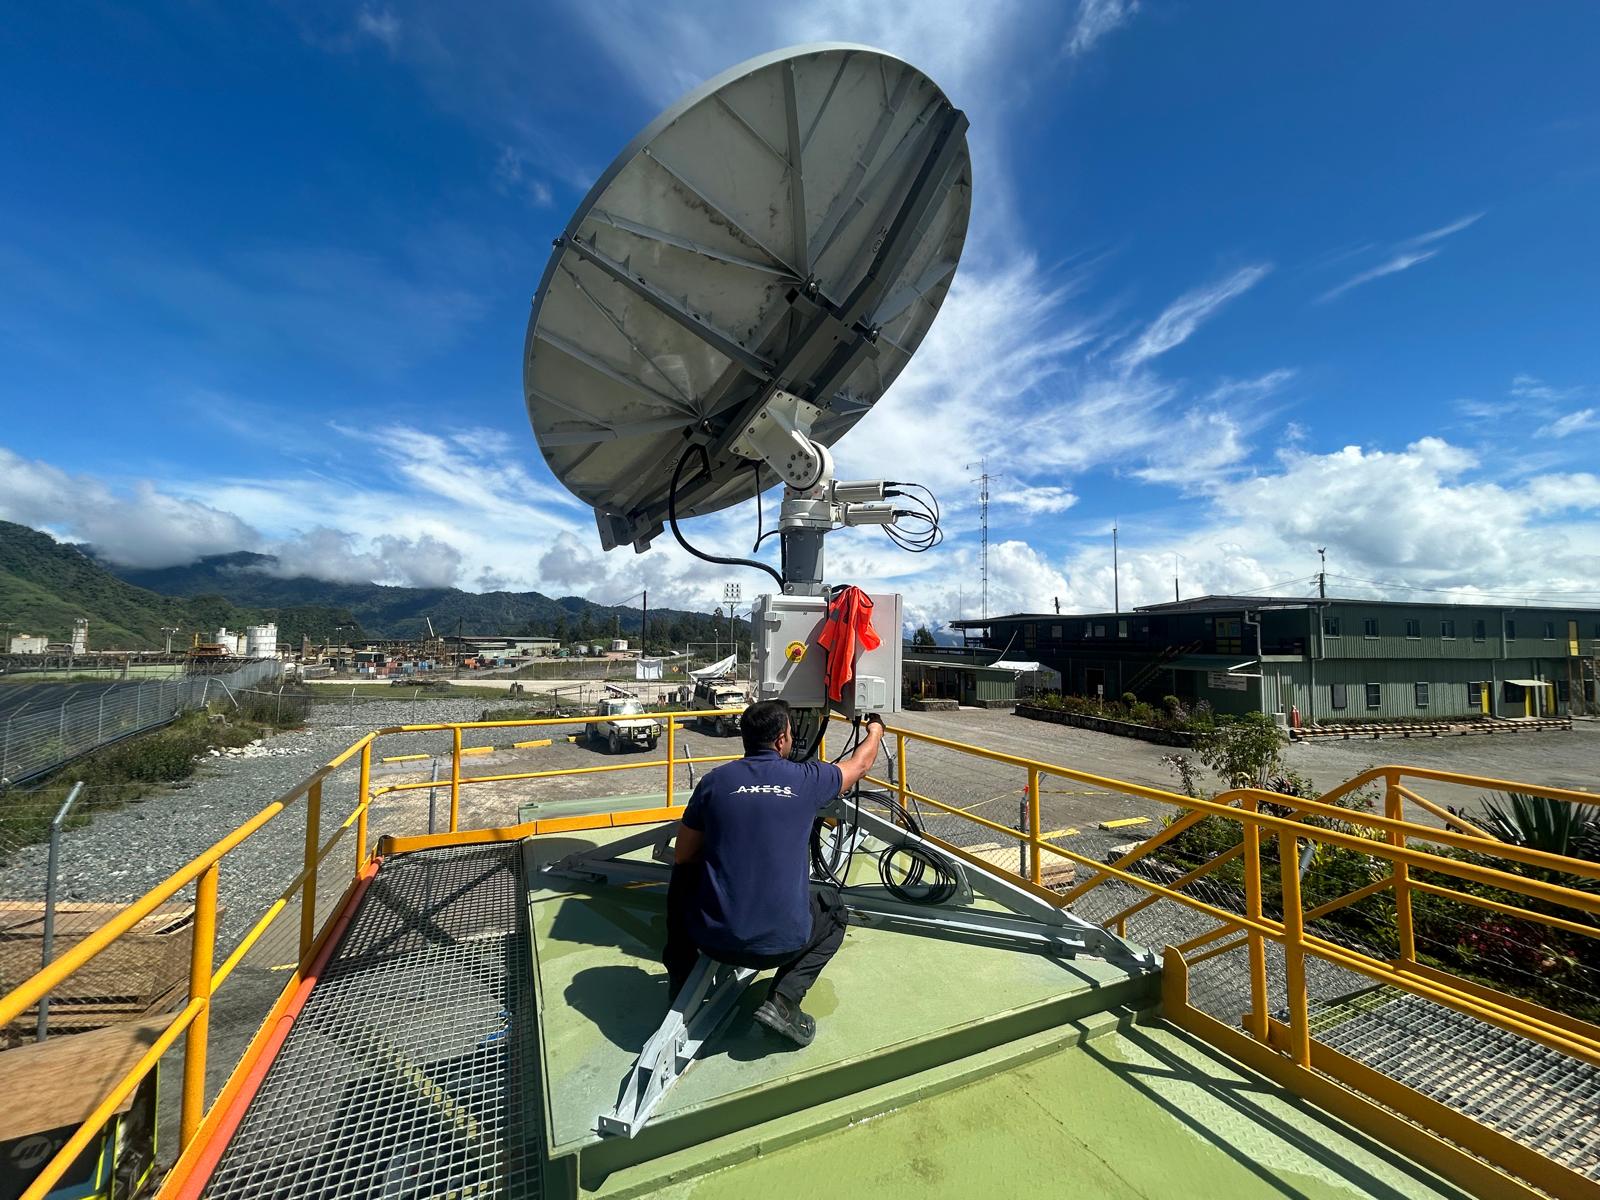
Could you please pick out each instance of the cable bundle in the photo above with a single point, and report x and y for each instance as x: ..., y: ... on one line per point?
x: 915, y: 529
x: 902, y: 868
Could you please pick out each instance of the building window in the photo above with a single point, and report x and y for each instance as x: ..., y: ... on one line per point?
x: 1511, y: 630
x: 1374, y: 697
x: 1122, y: 629
x: 1475, y: 696
x: 1055, y: 632
x: 1330, y: 626
x: 1099, y: 629
x: 1422, y: 695
x: 1563, y: 690
x: 1338, y: 693
x: 1549, y: 631
x: 1413, y: 627
x: 1447, y: 629
x: 1369, y: 627
x: 1480, y: 630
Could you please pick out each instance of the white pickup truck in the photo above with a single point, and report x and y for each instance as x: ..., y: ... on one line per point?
x: 644, y: 731
x: 720, y: 693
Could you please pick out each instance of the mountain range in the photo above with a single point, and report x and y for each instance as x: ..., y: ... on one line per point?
x: 45, y: 584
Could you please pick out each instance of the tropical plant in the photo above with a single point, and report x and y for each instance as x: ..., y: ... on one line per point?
x: 1542, y: 823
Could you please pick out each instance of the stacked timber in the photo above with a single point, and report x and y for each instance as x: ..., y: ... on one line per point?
x: 140, y: 973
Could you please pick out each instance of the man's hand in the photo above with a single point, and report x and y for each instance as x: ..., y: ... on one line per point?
x: 860, y: 762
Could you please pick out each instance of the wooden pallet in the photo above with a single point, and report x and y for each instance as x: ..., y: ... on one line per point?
x: 142, y: 972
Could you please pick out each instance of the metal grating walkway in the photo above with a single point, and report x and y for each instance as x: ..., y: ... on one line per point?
x: 1527, y: 1091
x: 411, y: 1071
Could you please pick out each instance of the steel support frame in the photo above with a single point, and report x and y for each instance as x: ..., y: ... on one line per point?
x: 707, y: 1000
x: 1029, y: 922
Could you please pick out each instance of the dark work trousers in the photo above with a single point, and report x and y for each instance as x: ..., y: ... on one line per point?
x: 797, y: 969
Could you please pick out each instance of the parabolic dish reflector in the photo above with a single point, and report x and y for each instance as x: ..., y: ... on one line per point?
x: 795, y: 223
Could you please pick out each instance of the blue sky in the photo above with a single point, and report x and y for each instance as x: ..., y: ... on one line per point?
x: 1248, y: 280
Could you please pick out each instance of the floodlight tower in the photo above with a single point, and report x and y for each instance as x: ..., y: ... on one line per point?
x: 737, y: 290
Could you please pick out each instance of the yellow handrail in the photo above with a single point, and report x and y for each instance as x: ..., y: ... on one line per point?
x: 1388, y: 838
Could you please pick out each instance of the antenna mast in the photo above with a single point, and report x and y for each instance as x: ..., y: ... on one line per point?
x: 1116, y: 572
x: 1322, y: 575
x: 983, y: 524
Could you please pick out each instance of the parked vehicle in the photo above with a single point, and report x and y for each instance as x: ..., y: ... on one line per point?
x: 644, y: 731
x: 720, y: 693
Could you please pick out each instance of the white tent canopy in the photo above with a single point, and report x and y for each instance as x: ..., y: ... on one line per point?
x: 721, y: 667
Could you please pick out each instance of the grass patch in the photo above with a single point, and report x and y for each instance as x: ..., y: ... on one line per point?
x: 137, y: 766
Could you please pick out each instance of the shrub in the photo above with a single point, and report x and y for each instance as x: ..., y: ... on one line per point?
x: 1245, y: 750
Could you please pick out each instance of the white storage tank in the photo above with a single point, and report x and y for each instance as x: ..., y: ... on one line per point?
x: 80, y: 636
x: 261, y: 641
x: 618, y: 645
x: 24, y: 643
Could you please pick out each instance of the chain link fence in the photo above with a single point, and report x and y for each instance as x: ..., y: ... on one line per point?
x: 39, y: 735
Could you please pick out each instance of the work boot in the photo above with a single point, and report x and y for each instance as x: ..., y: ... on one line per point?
x: 782, y: 1015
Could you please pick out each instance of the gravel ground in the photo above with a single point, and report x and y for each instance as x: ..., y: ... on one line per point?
x: 125, y: 852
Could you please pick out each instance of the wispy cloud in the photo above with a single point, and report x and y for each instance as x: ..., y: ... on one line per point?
x: 1403, y: 256
x: 1097, y: 18
x: 512, y: 175
x: 1573, y: 422
x: 1184, y: 315
x: 1530, y: 388
x: 381, y: 25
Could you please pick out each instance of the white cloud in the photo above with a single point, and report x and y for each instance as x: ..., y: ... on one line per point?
x: 1097, y: 18
x: 426, y: 561
x: 1400, y: 262
x: 1032, y: 501
x: 1532, y: 388
x: 511, y: 174
x: 1573, y: 422
x: 380, y: 24
x: 1402, y: 257
x: 138, y: 526
x: 1183, y: 316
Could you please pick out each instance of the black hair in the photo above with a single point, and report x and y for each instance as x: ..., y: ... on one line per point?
x: 763, y: 724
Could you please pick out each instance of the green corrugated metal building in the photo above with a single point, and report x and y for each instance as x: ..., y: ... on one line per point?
x: 1330, y: 659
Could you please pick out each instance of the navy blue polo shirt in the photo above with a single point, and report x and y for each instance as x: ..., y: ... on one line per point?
x: 756, y: 816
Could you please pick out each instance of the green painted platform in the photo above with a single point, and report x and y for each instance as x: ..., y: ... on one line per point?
x: 1144, y: 1111
x: 890, y: 1007
x: 573, y: 806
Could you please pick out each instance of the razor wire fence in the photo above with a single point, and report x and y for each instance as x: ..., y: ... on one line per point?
x: 39, y: 736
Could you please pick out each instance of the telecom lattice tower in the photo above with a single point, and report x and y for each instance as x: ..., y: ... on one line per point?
x: 983, y: 522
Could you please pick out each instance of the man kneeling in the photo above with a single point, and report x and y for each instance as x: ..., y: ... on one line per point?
x: 741, y: 884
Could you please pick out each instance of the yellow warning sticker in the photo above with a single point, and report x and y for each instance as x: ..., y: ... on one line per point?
x: 795, y: 651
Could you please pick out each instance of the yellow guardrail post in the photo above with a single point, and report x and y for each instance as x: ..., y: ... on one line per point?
x: 900, y: 785
x: 1394, y: 809
x: 1294, y: 952
x: 201, y: 954
x: 364, y: 786
x: 1257, y: 945
x: 672, y: 758
x: 1035, y: 827
x: 308, y: 889
x: 455, y: 777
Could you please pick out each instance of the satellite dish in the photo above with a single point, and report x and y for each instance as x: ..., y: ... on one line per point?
x: 795, y: 223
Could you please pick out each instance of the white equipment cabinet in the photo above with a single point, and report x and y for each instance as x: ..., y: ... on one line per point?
x: 790, y: 664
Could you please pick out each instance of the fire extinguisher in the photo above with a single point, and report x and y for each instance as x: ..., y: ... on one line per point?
x: 1294, y: 716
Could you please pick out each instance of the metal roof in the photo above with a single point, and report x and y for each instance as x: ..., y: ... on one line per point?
x: 1240, y: 603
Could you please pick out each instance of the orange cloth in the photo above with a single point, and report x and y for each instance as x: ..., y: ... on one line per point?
x: 849, y: 621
